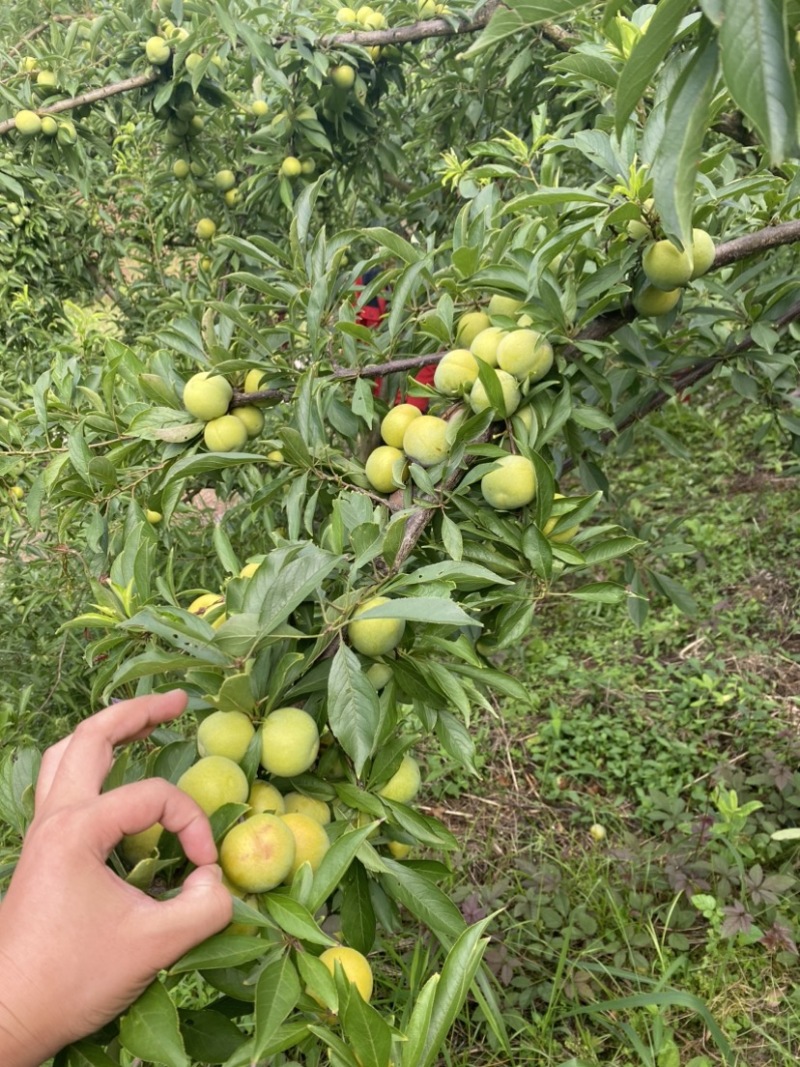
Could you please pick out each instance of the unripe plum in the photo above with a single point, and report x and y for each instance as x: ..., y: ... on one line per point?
x: 257, y: 854
x: 425, y: 440
x: 396, y: 423
x: 225, y: 733
x: 479, y: 400
x: 214, y: 781
x: 310, y: 839
x: 375, y: 637
x: 225, y: 434
x: 665, y: 266
x: 455, y: 371
x: 207, y: 395
x: 404, y: 784
x: 512, y: 485
x: 289, y: 742
x: 381, y: 465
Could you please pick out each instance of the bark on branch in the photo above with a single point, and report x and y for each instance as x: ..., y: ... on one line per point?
x: 139, y: 81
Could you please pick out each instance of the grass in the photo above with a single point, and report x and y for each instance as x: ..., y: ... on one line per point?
x: 599, y: 953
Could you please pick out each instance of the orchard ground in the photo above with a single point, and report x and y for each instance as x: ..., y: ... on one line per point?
x: 629, y: 729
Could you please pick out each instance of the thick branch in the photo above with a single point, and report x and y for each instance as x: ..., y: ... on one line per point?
x: 241, y: 400
x: 417, y: 31
x: 785, y: 233
x: 91, y: 97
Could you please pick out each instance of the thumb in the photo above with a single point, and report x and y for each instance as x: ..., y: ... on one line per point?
x: 202, y: 908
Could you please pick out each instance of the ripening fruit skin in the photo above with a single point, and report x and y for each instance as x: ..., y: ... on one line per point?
x: 201, y: 604
x: 597, y: 831
x: 425, y: 440
x: 28, y: 123
x: 470, y: 325
x: 289, y: 742
x: 343, y: 76
x: 479, y: 401
x: 399, y: 849
x: 225, y: 434
x: 525, y: 354
x: 455, y: 372
x: 652, y: 302
x: 375, y: 637
x: 380, y: 466
x: 181, y: 168
x: 225, y: 733
x: 379, y: 675
x: 346, y: 16
x: 224, y: 180
x: 257, y: 854
x: 355, y: 966
x: 214, y: 781
x: 291, y: 167
x: 205, y: 229
x: 251, y: 417
x: 404, y: 784
x: 396, y: 423
x: 248, y: 570
x: 511, y: 486
x: 703, y: 252
x: 49, y: 126
x: 315, y: 809
x: 504, y: 305
x: 260, y: 108
x: 485, y: 345
x: 207, y: 395
x: 265, y: 799
x: 666, y: 267
x: 254, y: 380
x: 157, y: 51
x: 17, y: 492
x: 137, y: 847
x: 46, y: 80
x: 311, y: 842
x: 638, y: 228
x: 563, y: 536
x: 274, y: 458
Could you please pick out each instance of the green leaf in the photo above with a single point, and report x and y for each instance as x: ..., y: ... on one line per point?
x: 674, y: 165
x: 423, y: 898
x: 353, y: 710
x: 210, y: 1037
x: 84, y: 1054
x: 150, y: 1030
x: 194, y: 466
x: 335, y: 863
x: 518, y: 15
x: 599, y: 593
x: 223, y: 950
x: 438, y: 610
x: 458, y: 971
x: 611, y: 549
x: 419, y: 1024
x: 295, y: 920
x: 757, y: 67
x: 367, y: 1032
x: 645, y: 57
x: 357, y: 911
x: 277, y: 992
x: 284, y: 580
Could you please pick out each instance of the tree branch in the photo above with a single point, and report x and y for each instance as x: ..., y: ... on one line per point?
x: 417, y: 31
x: 785, y: 233
x: 37, y: 30
x: 139, y: 81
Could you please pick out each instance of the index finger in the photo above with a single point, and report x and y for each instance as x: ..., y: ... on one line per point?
x: 75, y: 768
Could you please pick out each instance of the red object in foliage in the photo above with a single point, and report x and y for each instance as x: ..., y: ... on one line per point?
x: 371, y: 315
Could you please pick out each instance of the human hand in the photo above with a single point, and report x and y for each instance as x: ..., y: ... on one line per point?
x: 77, y: 943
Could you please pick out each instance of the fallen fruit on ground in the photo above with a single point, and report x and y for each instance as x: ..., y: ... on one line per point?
x: 289, y: 742
x: 396, y: 423
x: 214, y: 781
x: 380, y: 468
x: 425, y: 440
x: 257, y: 854
x: 374, y: 637
x: 225, y: 434
x: 225, y: 733
x: 310, y: 839
x: 512, y: 485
